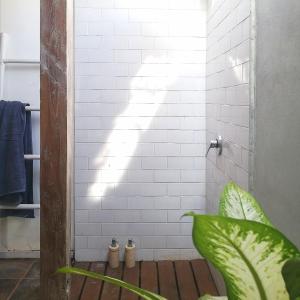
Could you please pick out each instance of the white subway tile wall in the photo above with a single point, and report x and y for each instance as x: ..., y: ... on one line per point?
x: 140, y: 127
x: 227, y: 106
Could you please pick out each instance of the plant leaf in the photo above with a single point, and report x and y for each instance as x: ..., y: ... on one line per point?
x: 141, y: 292
x: 291, y: 276
x: 209, y: 297
x: 249, y: 255
x: 239, y: 204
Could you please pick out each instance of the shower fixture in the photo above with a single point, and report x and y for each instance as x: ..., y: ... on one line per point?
x: 217, y: 143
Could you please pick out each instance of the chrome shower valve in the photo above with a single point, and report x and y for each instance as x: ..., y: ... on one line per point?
x: 217, y: 143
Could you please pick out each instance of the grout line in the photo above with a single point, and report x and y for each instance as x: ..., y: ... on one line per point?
x: 140, y: 273
x: 211, y: 277
x: 20, y: 280
x: 157, y: 277
x: 176, y: 279
x: 195, y: 281
x: 102, y: 282
x: 84, y: 280
x: 122, y: 266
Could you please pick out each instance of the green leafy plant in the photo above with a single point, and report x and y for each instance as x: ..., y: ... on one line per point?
x: 243, y: 245
x: 291, y: 275
x: 239, y: 204
x: 208, y: 297
x: 249, y: 255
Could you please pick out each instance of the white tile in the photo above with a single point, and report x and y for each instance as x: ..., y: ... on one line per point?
x: 125, y: 28
x: 141, y: 78
x: 167, y: 149
x: 81, y: 242
x: 87, y: 229
x: 153, y: 242
x: 167, y: 254
x: 179, y: 242
x: 167, y: 176
x: 153, y: 163
x: 193, y: 202
x: 188, y: 189
x: 181, y: 163
x: 167, y: 202
x: 114, y: 202
x: 81, y: 163
x: 141, y: 202
x: 145, y: 254
x: 152, y: 216
x: 90, y: 255
x: 81, y: 216
x: 192, y: 176
x: 167, y: 228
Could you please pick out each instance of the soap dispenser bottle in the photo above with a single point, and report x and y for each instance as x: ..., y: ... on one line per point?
x: 114, y: 254
x: 130, y: 254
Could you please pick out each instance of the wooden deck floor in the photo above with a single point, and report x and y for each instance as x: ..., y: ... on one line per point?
x: 175, y: 280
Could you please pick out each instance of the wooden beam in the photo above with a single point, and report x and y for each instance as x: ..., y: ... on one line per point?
x: 56, y: 144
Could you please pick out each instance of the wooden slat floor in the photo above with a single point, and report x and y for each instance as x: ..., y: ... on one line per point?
x: 175, y: 280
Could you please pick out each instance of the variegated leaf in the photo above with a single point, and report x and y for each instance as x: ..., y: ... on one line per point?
x: 209, y: 297
x: 239, y: 204
x: 249, y: 255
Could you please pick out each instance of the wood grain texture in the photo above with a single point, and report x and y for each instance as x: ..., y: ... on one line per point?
x: 110, y: 291
x: 77, y: 282
x: 56, y: 144
x: 132, y: 276
x: 175, y: 280
x: 149, y: 278
x: 92, y: 287
x: 203, y: 278
x: 185, y: 278
x: 167, y: 280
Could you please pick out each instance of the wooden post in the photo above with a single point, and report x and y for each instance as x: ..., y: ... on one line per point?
x: 56, y: 144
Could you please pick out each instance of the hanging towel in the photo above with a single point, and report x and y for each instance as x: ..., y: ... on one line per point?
x: 15, y: 172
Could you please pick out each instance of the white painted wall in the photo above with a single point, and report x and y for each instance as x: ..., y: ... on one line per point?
x: 20, y: 21
x: 140, y: 125
x: 228, y: 55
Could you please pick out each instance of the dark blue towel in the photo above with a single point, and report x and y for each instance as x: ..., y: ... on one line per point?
x: 15, y: 173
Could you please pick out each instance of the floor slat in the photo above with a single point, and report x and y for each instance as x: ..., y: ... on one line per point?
x: 110, y: 291
x: 204, y: 278
x: 185, y: 279
x: 131, y: 276
x: 77, y: 282
x: 92, y: 287
x: 149, y: 276
x: 167, y: 280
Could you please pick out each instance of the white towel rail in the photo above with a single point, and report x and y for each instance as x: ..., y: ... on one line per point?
x: 21, y: 61
x: 3, y: 63
x: 32, y: 157
x: 29, y: 108
x: 21, y: 206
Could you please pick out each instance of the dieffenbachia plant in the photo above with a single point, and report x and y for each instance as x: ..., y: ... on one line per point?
x: 239, y: 204
x: 242, y: 244
x: 249, y: 255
